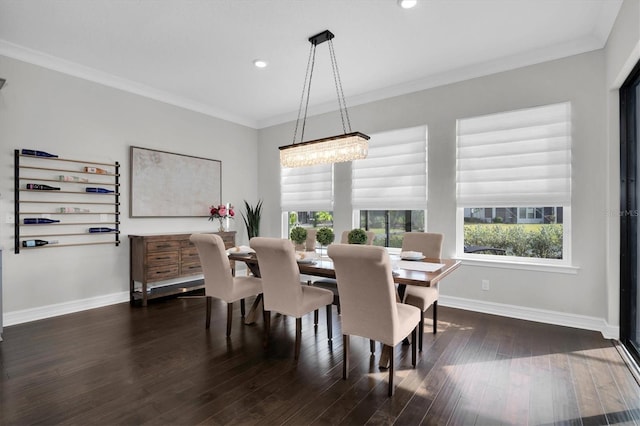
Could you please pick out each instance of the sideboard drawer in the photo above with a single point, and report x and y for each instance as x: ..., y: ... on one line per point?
x: 191, y: 269
x: 162, y: 258
x: 190, y: 255
x: 165, y: 272
x: 163, y: 245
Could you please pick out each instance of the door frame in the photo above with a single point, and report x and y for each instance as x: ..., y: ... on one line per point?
x: 629, y: 208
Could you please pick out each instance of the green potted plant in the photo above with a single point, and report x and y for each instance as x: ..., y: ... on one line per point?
x: 357, y: 236
x: 325, y: 236
x: 251, y: 218
x: 298, y: 235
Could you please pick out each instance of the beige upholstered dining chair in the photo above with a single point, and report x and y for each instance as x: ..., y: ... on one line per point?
x: 310, y: 243
x: 430, y: 244
x: 282, y: 289
x: 219, y: 282
x: 330, y: 284
x: 368, y: 298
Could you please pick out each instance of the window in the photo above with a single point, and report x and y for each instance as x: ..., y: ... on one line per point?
x: 309, y: 219
x: 306, y: 196
x: 389, y: 187
x: 390, y: 225
x: 514, y: 183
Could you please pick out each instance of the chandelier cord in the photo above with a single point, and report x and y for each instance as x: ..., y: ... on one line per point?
x: 306, y: 107
x: 342, y: 103
x: 312, y: 52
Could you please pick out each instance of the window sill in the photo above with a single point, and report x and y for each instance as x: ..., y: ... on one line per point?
x: 525, y: 266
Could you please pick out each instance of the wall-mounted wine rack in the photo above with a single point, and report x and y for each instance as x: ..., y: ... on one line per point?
x: 84, y: 209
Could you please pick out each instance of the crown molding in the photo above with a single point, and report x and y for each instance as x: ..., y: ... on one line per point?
x: 550, y: 53
x: 74, y: 69
x: 483, y: 69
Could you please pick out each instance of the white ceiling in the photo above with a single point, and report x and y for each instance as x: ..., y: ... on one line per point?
x: 198, y: 53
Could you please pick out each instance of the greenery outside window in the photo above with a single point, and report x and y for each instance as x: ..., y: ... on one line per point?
x: 309, y: 219
x: 534, y: 232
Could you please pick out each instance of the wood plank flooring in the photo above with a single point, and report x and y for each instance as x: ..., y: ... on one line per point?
x: 123, y: 365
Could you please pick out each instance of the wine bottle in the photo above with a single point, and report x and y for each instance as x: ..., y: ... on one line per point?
x: 32, y: 220
x: 37, y: 153
x: 95, y: 170
x: 72, y: 210
x: 100, y: 190
x: 65, y: 178
x: 41, y: 187
x: 38, y: 243
x: 101, y: 229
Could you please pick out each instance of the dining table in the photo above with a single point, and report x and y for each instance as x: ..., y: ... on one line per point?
x: 422, y: 272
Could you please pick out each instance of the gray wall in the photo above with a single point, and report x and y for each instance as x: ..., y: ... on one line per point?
x: 78, y: 119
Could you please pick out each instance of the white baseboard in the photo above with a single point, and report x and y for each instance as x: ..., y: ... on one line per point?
x: 511, y: 311
x: 532, y: 314
x: 26, y: 315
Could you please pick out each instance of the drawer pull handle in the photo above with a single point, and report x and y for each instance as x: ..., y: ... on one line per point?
x: 162, y: 272
x: 163, y: 258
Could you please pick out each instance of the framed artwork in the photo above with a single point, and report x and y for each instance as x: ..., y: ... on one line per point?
x: 165, y: 184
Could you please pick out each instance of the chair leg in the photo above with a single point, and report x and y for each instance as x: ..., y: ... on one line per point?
x: 391, y: 356
x: 229, y: 318
x: 242, y: 308
x: 420, y: 330
x: 315, y: 318
x: 435, y: 317
x: 329, y: 323
x: 413, y: 347
x: 207, y: 321
x: 345, y: 356
x: 372, y: 346
x: 267, y: 324
x: 298, y: 337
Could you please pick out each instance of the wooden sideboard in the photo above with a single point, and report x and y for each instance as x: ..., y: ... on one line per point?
x: 166, y: 257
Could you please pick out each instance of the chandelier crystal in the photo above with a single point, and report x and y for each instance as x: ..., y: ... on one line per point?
x: 335, y: 149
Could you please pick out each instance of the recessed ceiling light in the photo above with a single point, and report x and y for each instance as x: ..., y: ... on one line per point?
x: 407, y: 4
x: 260, y: 63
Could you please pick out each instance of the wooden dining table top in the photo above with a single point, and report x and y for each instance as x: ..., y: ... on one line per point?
x: 323, y: 267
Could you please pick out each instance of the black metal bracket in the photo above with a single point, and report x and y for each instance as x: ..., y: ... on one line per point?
x: 321, y: 37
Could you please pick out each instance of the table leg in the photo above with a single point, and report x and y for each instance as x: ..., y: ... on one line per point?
x: 251, y: 316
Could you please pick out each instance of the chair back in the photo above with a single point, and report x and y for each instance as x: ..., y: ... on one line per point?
x: 367, y: 292
x: 218, y: 280
x: 429, y: 243
x: 310, y: 243
x: 280, y: 275
x: 344, y: 238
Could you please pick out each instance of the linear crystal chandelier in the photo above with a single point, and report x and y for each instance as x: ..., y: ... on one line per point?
x: 334, y: 149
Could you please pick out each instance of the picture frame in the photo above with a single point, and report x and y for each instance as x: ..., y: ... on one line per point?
x: 167, y: 184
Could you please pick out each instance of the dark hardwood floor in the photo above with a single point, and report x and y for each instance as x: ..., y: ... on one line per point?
x: 123, y: 365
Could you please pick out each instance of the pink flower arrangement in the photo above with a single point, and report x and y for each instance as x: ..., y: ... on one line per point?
x: 221, y: 212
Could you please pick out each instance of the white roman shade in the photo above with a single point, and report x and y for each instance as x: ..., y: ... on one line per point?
x: 394, y: 174
x: 519, y: 158
x: 307, y: 188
